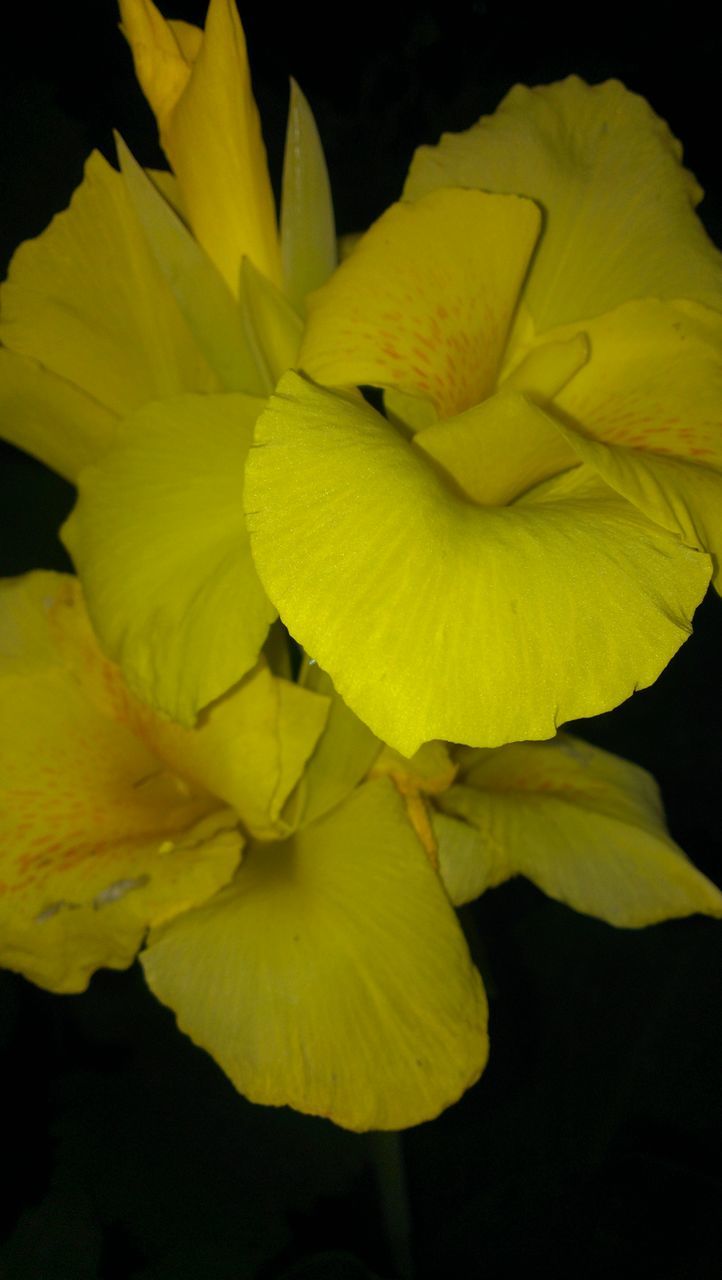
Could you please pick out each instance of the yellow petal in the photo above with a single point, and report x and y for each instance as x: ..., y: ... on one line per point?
x: 160, y: 543
x: 585, y: 826
x: 219, y: 324
x: 276, y: 326
x: 430, y: 770
x: 619, y: 219
x: 99, y: 837
x: 211, y: 133
x: 343, y: 756
x: 438, y: 618
x: 410, y: 413
x: 308, y: 231
x: 542, y: 372
x: 87, y: 301
x: 248, y: 749
x: 163, y: 53
x: 499, y: 449
x: 425, y: 301
x: 646, y: 412
x: 332, y: 976
x: 50, y: 418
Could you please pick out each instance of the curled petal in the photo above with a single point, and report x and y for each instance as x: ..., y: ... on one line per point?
x: 584, y: 825
x: 646, y: 413
x: 440, y: 618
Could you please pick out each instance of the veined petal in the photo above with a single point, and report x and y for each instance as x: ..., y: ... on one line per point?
x: 99, y: 837
x: 308, y: 230
x: 332, y: 976
x: 439, y: 618
x: 87, y: 301
x: 619, y: 207
x: 585, y: 826
x: 646, y: 412
x: 211, y: 133
x: 220, y: 325
x: 50, y: 418
x: 160, y: 543
x: 425, y: 301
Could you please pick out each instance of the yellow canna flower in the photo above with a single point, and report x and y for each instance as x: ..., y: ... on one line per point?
x: 287, y: 877
x: 524, y: 538
x: 309, y: 976
x: 141, y: 333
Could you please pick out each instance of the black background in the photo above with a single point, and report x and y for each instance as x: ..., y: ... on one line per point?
x: 592, y: 1143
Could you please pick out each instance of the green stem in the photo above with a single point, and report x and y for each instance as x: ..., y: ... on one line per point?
x: 388, y: 1160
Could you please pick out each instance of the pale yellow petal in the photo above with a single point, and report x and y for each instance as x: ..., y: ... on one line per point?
x: 308, y: 230
x: 619, y: 219
x: 332, y: 976
x: 160, y: 543
x: 87, y: 301
x: 219, y: 323
x: 586, y: 826
x: 50, y: 418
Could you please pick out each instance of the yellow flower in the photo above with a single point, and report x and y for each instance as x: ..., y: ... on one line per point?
x: 288, y: 880
x: 527, y: 539
x: 311, y: 976
x: 137, y: 353
x: 288, y: 876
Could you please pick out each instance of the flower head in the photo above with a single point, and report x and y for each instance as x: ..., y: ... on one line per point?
x: 287, y: 877
x: 526, y: 540
x: 522, y: 539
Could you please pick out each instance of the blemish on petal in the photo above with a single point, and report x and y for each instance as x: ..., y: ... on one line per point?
x: 52, y: 910
x: 118, y: 890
